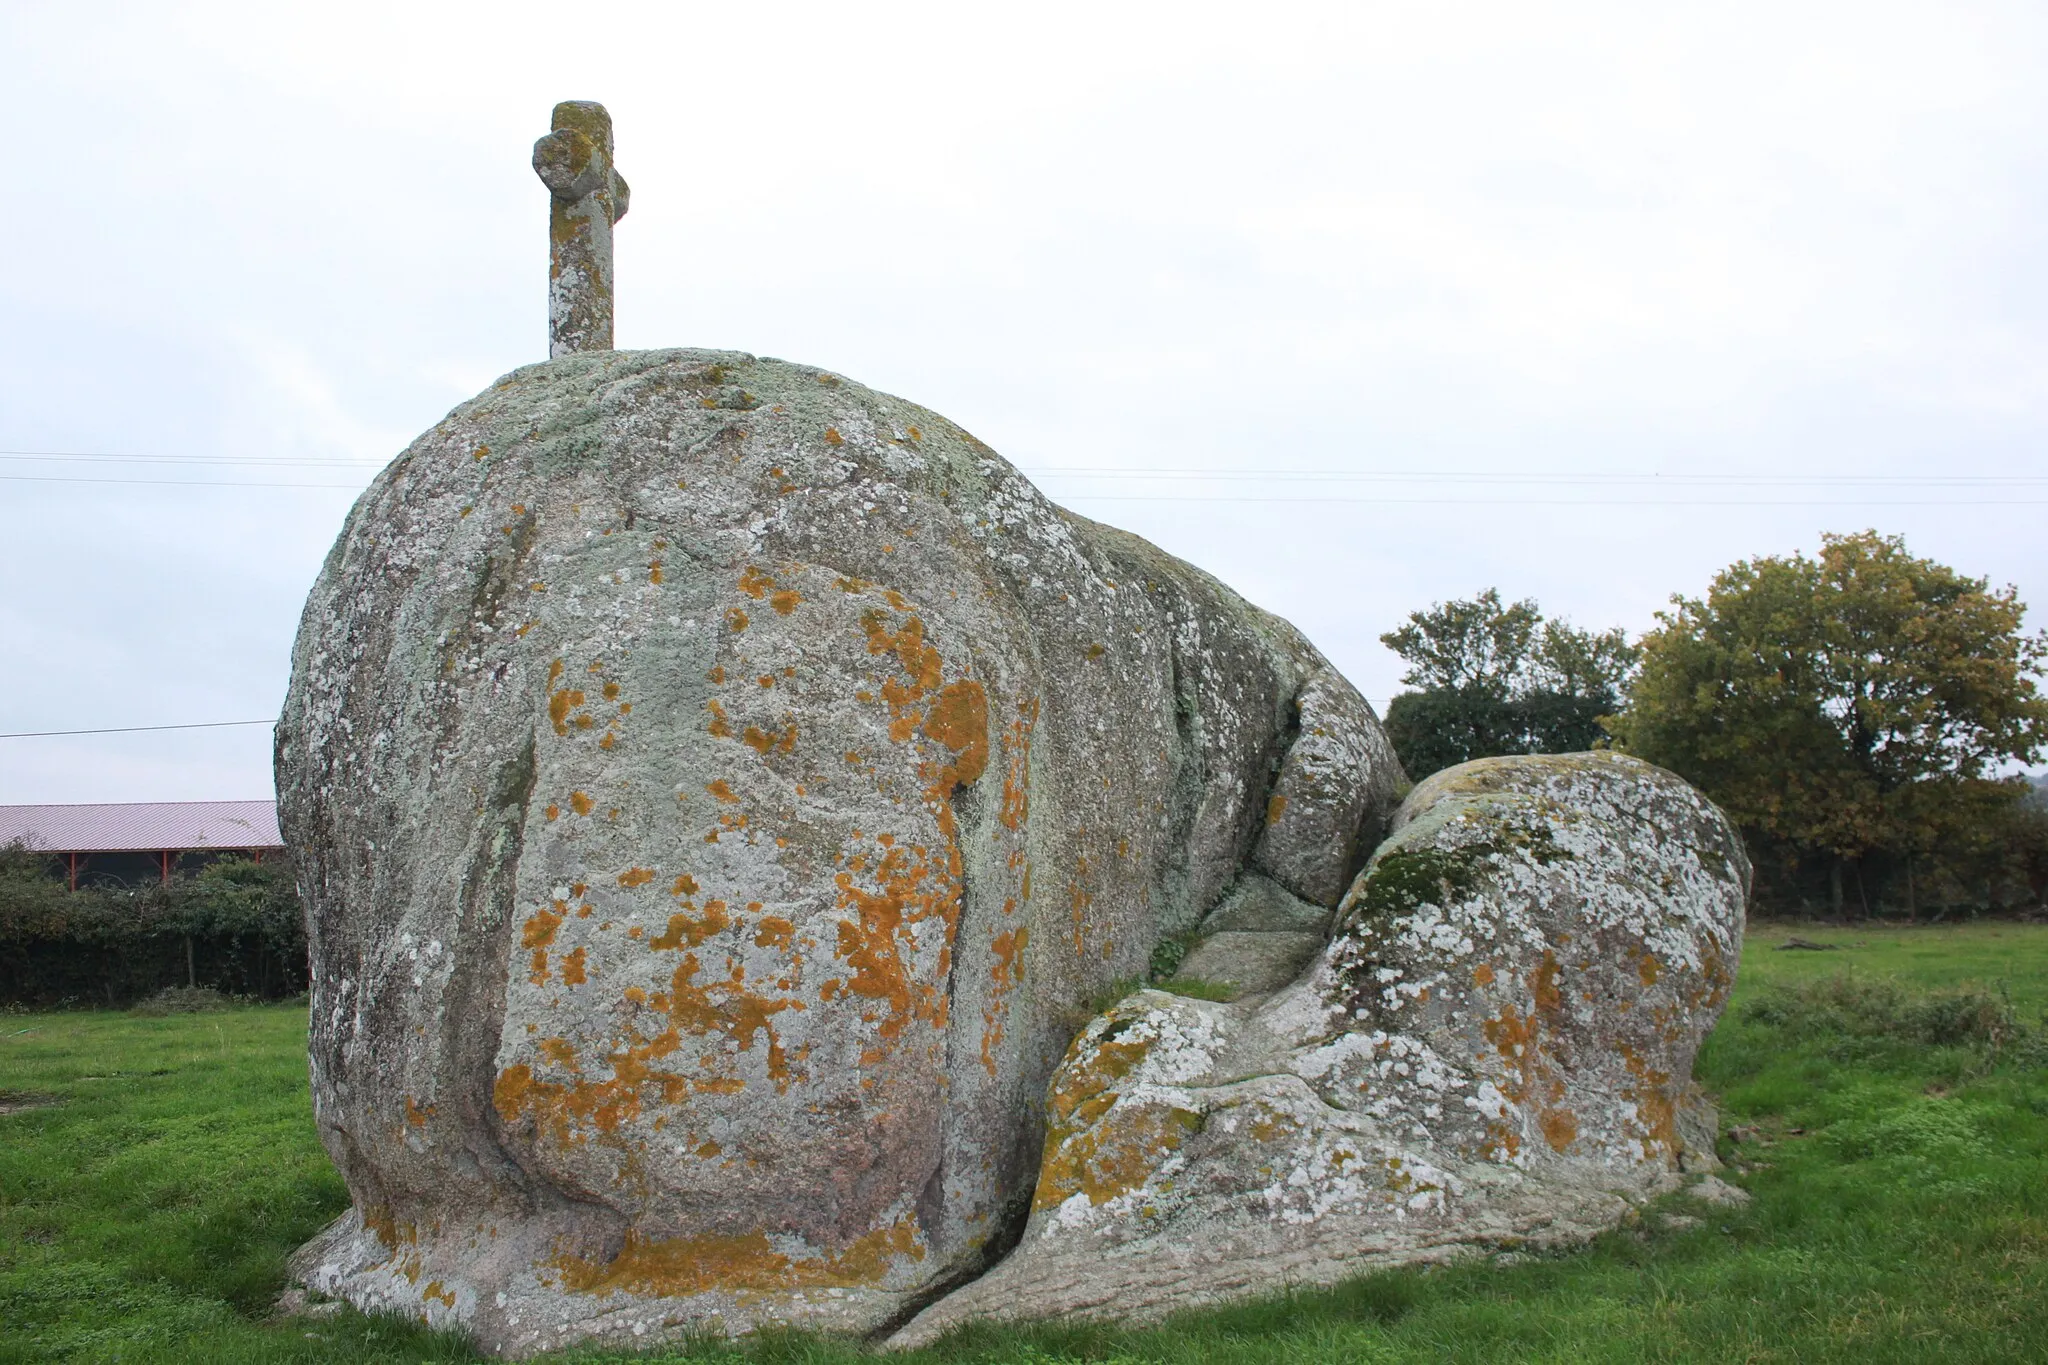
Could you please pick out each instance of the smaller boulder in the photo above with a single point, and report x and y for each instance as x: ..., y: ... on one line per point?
x: 1495, y: 1047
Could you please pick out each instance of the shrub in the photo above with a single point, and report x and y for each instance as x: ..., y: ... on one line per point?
x: 1850, y: 1013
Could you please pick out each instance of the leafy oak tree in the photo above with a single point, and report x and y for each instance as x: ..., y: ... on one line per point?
x: 1496, y: 678
x: 1845, y: 709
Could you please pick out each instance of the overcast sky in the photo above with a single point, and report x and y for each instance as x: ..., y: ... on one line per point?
x: 1731, y: 266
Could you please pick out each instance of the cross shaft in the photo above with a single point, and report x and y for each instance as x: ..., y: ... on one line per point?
x: 588, y: 196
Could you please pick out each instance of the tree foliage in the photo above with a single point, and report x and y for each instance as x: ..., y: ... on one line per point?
x: 1855, y: 703
x: 1497, y: 678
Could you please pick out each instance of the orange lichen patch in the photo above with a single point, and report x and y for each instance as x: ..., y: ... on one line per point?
x: 906, y: 886
x: 435, y: 1291
x: 559, y: 707
x: 737, y: 1013
x: 833, y: 438
x: 851, y: 585
x: 571, y: 1111
x: 1269, y: 1124
x: 1079, y: 898
x: 755, y: 583
x: 558, y: 1051
x: 611, y: 691
x: 685, y: 885
x: 636, y: 876
x: 1016, y: 739
x: 1549, y: 1000
x: 553, y: 812
x: 958, y: 719
x: 608, y: 740
x: 677, y: 1266
x: 539, y: 931
x: 1008, y: 949
x: 785, y: 601
x: 683, y: 931
x: 1114, y: 1156
x: 481, y: 452
x: 415, y: 1115
x: 581, y: 803
x: 721, y: 789
x: 774, y: 932
x: 1482, y: 975
x: 1085, y: 1087
x: 736, y: 619
x: 1560, y: 1128
x: 385, y: 1227
x: 717, y: 674
x: 654, y: 571
x: 1647, y: 970
x: 870, y: 944
x: 1656, y: 1102
x: 921, y: 665
x: 765, y: 742
x: 1275, y: 808
x: 573, y: 973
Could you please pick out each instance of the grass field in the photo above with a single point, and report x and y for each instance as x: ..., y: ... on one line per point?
x: 154, y: 1173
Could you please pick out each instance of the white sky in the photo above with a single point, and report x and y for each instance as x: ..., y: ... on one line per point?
x: 1761, y: 240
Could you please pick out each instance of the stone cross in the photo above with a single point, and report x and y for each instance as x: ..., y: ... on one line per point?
x: 575, y: 163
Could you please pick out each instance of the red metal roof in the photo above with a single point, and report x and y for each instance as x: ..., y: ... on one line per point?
x: 151, y: 826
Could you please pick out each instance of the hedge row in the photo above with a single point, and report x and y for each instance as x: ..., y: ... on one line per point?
x: 234, y: 926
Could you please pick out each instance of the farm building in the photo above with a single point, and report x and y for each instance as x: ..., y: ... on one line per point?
x: 137, y: 843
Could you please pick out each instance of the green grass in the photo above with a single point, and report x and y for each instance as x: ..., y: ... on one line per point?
x: 1899, y: 1163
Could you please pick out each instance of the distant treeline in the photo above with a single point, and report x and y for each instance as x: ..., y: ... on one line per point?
x: 1858, y: 714
x: 233, y: 926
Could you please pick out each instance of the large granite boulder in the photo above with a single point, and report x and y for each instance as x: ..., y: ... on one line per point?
x: 1495, y: 1047
x: 720, y: 792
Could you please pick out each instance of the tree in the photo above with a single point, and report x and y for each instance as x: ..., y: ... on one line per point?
x: 1837, y: 707
x: 1496, y: 678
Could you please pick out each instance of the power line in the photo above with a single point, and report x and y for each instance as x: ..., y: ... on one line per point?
x: 104, y: 457
x: 174, y: 483
x: 1478, y: 478
x: 1489, y: 476
x: 1498, y: 476
x: 1233, y: 499
x: 135, y: 729
x: 1571, y: 502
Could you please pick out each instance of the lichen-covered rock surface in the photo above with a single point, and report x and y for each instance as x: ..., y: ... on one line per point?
x: 1495, y: 1047
x: 719, y: 791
